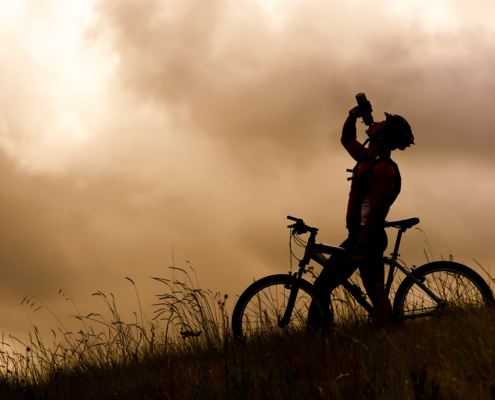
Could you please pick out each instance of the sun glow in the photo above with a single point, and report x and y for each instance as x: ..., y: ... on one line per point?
x: 57, y: 77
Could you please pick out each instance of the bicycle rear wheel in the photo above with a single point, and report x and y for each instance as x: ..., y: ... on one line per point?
x: 455, y: 284
x: 263, y: 304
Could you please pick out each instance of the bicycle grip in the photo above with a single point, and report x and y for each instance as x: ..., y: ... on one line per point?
x: 293, y: 219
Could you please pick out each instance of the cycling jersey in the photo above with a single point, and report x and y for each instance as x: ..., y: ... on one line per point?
x: 362, y: 183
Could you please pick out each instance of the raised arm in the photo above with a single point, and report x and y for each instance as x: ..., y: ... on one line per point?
x: 348, y: 139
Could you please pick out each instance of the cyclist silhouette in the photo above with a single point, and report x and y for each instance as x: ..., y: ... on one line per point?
x: 376, y: 183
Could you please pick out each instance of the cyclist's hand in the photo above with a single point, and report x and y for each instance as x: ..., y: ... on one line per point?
x: 358, y: 253
x: 356, y: 111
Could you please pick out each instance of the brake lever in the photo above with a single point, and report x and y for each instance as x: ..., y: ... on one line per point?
x: 298, y: 230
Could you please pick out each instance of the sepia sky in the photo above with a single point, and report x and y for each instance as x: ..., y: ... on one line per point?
x: 131, y: 129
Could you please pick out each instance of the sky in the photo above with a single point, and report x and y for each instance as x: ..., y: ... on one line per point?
x: 140, y: 134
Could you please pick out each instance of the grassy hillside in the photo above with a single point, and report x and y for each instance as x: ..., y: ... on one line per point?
x: 192, y: 355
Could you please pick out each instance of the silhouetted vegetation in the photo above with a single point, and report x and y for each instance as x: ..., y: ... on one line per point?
x: 187, y: 352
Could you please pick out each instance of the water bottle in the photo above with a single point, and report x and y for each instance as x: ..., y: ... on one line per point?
x: 364, y: 108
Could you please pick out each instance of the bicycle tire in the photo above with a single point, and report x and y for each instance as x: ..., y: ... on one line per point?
x: 263, y: 304
x: 456, y: 284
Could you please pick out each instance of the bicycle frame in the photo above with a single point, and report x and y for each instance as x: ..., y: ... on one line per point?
x: 290, y: 300
x: 315, y: 251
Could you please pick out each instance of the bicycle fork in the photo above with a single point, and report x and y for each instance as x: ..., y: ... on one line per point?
x: 294, y: 289
x: 294, y: 283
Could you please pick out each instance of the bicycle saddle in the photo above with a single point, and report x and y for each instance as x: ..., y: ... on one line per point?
x: 403, y: 223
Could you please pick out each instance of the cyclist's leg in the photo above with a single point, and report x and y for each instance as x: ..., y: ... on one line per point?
x: 336, y: 270
x: 372, y: 273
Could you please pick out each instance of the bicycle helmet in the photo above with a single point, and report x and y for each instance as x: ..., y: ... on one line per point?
x: 398, y: 132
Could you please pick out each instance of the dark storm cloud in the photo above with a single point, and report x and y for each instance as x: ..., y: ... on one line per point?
x: 246, y: 83
x: 238, y: 80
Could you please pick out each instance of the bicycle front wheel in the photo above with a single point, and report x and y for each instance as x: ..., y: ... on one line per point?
x: 454, y: 284
x: 263, y: 305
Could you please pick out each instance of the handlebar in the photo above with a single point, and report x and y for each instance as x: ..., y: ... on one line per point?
x: 300, y: 228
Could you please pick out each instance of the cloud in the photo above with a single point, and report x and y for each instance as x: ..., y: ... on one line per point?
x: 240, y: 80
x: 201, y: 125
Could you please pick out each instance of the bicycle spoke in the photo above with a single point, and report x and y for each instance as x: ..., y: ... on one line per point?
x: 268, y: 305
x: 454, y: 288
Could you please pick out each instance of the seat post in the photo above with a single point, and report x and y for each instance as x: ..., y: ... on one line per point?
x: 394, y: 257
x: 397, y: 243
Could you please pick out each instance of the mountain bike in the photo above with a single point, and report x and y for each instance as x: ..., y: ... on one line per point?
x: 282, y: 301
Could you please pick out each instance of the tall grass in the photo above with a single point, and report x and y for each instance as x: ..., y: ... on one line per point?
x: 186, y: 351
